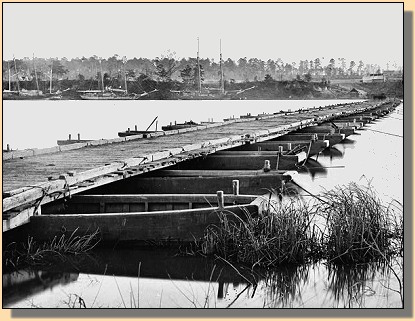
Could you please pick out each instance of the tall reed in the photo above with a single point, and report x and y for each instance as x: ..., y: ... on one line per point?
x: 359, y: 228
x: 282, y: 234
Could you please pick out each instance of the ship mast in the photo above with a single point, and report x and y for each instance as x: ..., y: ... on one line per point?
x: 102, y: 76
x: 222, y: 85
x: 51, y: 77
x: 198, y: 68
x: 34, y: 67
x: 17, y: 75
x: 10, y: 78
x: 124, y: 59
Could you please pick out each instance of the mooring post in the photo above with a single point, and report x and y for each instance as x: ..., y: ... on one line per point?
x: 135, y: 127
x: 267, y: 166
x: 221, y: 200
x: 79, y: 136
x: 70, y: 137
x: 280, y: 148
x: 289, y: 146
x: 8, y: 147
x: 235, y: 186
x: 128, y: 129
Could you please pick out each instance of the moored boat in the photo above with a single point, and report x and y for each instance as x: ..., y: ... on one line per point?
x: 186, y: 124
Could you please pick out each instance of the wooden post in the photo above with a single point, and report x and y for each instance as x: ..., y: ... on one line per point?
x: 280, y: 149
x: 267, y: 166
x: 221, y: 200
x: 289, y: 146
x: 8, y: 147
x: 135, y: 127
x: 128, y: 129
x: 70, y: 137
x: 235, y: 186
x: 79, y: 137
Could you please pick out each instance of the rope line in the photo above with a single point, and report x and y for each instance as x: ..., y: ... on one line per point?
x: 311, y: 194
x: 378, y: 131
x: 396, y: 118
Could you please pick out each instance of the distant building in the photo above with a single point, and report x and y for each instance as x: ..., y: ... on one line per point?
x: 354, y: 92
x: 374, y: 78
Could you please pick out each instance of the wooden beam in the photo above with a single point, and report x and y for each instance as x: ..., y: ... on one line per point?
x: 215, y: 173
x: 314, y: 147
x: 159, y: 198
x: 332, y: 138
x: 18, y: 219
x: 242, y: 162
x: 182, y: 226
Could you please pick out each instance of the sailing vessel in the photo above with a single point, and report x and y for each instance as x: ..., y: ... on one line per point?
x: 108, y: 93
x: 186, y: 124
x: 205, y: 93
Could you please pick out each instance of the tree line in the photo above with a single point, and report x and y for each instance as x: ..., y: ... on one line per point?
x: 168, y: 67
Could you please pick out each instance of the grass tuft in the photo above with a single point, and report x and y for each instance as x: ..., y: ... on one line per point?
x: 282, y: 234
x: 31, y: 253
x: 359, y: 228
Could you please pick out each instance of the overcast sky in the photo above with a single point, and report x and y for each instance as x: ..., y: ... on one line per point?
x: 369, y: 32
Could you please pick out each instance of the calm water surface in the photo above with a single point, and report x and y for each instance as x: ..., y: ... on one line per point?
x: 40, y: 123
x: 153, y: 279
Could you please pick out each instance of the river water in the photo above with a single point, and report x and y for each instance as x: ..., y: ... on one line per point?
x: 40, y: 123
x: 153, y: 279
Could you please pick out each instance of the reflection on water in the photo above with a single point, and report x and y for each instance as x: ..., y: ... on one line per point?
x: 313, y: 168
x: 333, y: 152
x: 153, y: 279
x: 306, y: 286
x: 282, y: 286
x: 20, y: 285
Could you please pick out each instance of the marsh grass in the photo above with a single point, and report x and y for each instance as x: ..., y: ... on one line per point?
x: 31, y: 253
x: 348, y: 224
x: 359, y: 228
x: 282, y: 234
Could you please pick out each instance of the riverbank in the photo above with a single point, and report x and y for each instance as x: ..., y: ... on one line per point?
x: 256, y: 90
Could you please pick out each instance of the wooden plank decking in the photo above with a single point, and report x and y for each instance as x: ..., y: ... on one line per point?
x: 44, y: 177
x: 30, y: 170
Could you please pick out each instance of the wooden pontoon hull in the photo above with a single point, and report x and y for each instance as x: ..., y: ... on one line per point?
x: 310, y: 147
x: 245, y: 161
x: 332, y: 138
x: 165, y: 226
x: 198, y: 182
